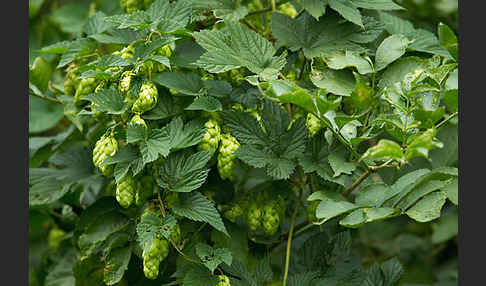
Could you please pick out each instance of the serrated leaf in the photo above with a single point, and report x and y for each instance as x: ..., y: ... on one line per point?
x: 392, y: 48
x: 167, y: 106
x: 190, y: 84
x: 151, y: 226
x: 183, y: 171
x: 314, y: 7
x: 212, y: 258
x: 47, y: 192
x: 377, y: 4
x: 197, y: 207
x: 200, y: 276
x: 348, y: 10
x: 96, y: 24
x: 117, y: 36
x: 218, y: 88
x: 136, y: 132
x: 206, y: 103
x: 392, y: 271
x: 238, y: 46
x: 448, y: 39
x: 428, y: 208
x: 108, y: 100
x: 317, y: 38
x: 99, y: 231
x: 384, y: 150
x: 61, y: 274
x: 169, y: 16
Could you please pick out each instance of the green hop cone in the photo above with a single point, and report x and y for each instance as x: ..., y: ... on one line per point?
x: 105, y: 147
x: 311, y: 211
x: 55, y: 237
x: 147, y: 98
x: 288, y: 9
x: 226, y: 156
x: 71, y: 81
x: 125, y: 80
x: 253, y: 217
x: 131, y: 6
x: 86, y: 86
x: 157, y: 252
x: 136, y: 119
x: 223, y: 280
x: 211, y: 139
x: 271, y: 218
x: 145, y: 190
x: 125, y: 191
x: 313, y: 124
x: 233, y: 213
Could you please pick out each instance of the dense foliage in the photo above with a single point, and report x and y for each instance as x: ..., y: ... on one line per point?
x: 221, y: 142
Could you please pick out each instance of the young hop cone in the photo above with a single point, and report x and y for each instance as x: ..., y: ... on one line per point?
x: 157, y: 252
x: 125, y: 191
x: 226, y: 156
x: 105, y: 147
x: 211, y: 139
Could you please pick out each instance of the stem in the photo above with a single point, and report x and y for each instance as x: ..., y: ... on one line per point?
x: 272, y: 5
x: 446, y: 120
x: 51, y: 99
x: 289, y: 241
x: 302, y: 68
x: 356, y: 183
x: 250, y: 25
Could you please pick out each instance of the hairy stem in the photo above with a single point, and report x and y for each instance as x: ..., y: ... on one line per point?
x: 51, y: 99
x: 443, y: 122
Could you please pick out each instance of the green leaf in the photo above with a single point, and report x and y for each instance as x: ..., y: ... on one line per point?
x: 173, y: 136
x: 151, y: 226
x: 170, y: 16
x: 167, y: 106
x: 108, y: 100
x: 43, y: 115
x: 438, y: 74
x: 372, y: 195
x: 200, y: 276
x: 384, y: 150
x: 446, y: 228
x: 47, y: 192
x: 421, y: 145
x: 317, y: 38
x: 390, y: 50
x: 186, y: 54
x: 71, y: 17
x: 185, y: 83
x: 452, y: 191
x: 428, y: 208
x: 339, y: 165
x: 40, y: 73
x: 96, y: 24
x: 117, y: 36
x: 340, y: 60
x: 136, y: 132
x: 206, y: 103
x: 392, y: 271
x: 448, y: 39
x: 420, y: 191
x: 236, y: 243
x: 274, y: 148
x: 366, y: 215
x: 99, y: 231
x: 396, y: 72
x: 61, y: 274
x: 212, y: 258
x: 183, y: 171
x: 197, y: 207
x: 348, y: 10
x: 328, y: 209
x: 238, y: 46
x: 338, y: 82
x: 314, y: 7
x: 376, y: 4
x: 116, y: 264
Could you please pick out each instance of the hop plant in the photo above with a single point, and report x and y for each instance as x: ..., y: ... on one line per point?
x: 125, y: 80
x: 271, y: 218
x: 226, y: 156
x: 136, y: 119
x: 55, y: 237
x: 313, y: 124
x: 147, y: 98
x: 131, y: 6
x: 145, y: 190
x: 223, y: 280
x: 233, y: 213
x: 254, y: 216
x: 288, y: 9
x: 157, y: 252
x: 110, y: 189
x: 176, y: 235
x: 105, y: 147
x: 211, y: 139
x: 125, y: 191
x: 171, y: 198
x: 311, y: 211
x: 72, y: 79
x: 86, y: 86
